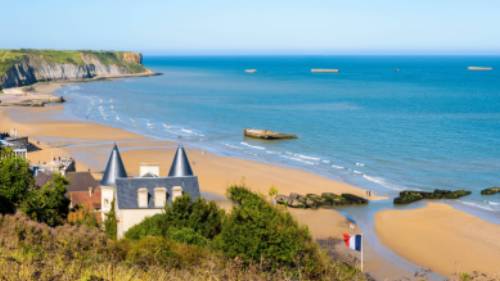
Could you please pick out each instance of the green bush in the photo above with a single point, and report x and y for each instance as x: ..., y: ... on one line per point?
x: 152, y: 251
x: 16, y: 179
x: 6, y: 207
x: 111, y: 223
x: 201, y: 216
x: 48, y: 204
x: 257, y: 232
x: 187, y: 235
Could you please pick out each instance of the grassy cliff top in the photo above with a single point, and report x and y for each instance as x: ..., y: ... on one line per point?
x: 10, y: 57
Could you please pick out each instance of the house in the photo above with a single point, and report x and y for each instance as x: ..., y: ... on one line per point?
x: 146, y: 195
x: 84, y: 191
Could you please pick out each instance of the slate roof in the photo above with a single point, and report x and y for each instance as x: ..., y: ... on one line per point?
x: 114, y: 168
x: 180, y: 165
x: 81, y: 181
x: 127, y: 189
x: 42, y: 178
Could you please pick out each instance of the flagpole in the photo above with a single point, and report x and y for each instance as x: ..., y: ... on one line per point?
x: 362, y: 252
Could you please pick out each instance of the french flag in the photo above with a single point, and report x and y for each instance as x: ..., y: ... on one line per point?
x: 353, y: 241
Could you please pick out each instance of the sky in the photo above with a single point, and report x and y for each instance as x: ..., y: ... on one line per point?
x: 255, y: 26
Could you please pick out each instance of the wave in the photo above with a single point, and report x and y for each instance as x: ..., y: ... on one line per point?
x: 382, y: 182
x: 301, y: 160
x: 477, y: 205
x: 252, y: 146
x: 232, y: 146
x: 359, y: 164
x: 302, y: 156
x: 337, y: 167
x: 357, y: 172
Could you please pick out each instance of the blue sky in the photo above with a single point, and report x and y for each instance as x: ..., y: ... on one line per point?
x: 255, y: 26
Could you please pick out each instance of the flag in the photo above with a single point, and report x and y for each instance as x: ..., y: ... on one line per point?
x: 353, y: 241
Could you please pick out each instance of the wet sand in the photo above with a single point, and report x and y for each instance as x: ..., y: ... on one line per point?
x: 442, y: 238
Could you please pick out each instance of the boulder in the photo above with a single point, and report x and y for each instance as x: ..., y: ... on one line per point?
x: 282, y: 199
x: 410, y: 196
x: 490, y: 191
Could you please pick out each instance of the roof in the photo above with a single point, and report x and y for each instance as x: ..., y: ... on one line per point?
x: 114, y: 168
x: 81, y: 181
x: 42, y: 178
x: 126, y: 189
x: 86, y: 199
x: 180, y: 165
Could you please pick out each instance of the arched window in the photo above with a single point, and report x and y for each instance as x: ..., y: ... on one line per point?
x: 160, y: 197
x: 176, y: 192
x: 142, y: 197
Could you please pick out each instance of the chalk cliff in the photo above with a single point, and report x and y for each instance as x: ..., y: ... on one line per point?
x: 25, y: 67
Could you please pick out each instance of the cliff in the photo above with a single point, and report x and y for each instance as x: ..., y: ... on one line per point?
x: 26, y: 67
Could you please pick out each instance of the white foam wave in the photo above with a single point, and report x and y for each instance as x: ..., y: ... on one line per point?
x: 357, y: 172
x: 325, y: 161
x: 298, y: 160
x: 382, y: 182
x: 232, y: 146
x: 150, y: 125
x: 117, y: 118
x: 359, y: 164
x: 337, y: 167
x: 493, y: 203
x: 302, y: 156
x: 477, y: 205
x: 252, y: 146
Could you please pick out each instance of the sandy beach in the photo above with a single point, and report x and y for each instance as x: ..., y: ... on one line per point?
x: 442, y: 238
x: 460, y: 242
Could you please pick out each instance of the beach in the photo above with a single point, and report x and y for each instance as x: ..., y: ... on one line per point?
x: 405, y: 232
x: 442, y: 238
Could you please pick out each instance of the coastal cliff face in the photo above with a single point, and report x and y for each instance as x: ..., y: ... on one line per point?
x: 20, y: 68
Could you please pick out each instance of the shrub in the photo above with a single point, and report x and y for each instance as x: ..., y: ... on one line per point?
x: 49, y: 203
x: 111, y: 223
x: 201, y: 216
x: 16, y: 179
x: 257, y: 232
x: 151, y: 251
x: 187, y: 235
x: 83, y: 216
x: 6, y: 207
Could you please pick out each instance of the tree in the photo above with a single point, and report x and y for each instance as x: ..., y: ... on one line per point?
x: 16, y: 179
x: 111, y: 222
x: 81, y: 215
x: 201, y: 216
x: 258, y: 232
x: 49, y: 203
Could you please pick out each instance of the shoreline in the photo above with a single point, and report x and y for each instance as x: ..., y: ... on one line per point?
x: 89, y: 144
x: 466, y: 243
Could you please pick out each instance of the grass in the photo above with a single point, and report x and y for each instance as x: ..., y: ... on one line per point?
x: 10, y: 57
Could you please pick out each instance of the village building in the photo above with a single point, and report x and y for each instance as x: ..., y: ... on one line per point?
x: 136, y: 198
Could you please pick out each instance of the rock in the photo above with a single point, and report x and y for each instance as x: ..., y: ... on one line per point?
x: 294, y: 203
x: 267, y: 134
x: 410, y: 196
x: 490, y: 191
x: 282, y: 199
x: 351, y: 199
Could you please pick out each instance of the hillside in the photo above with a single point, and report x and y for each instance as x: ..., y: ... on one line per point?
x: 26, y: 66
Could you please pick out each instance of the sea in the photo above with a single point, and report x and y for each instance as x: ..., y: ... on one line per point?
x: 385, y: 123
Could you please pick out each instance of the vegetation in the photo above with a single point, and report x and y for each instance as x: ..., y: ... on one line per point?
x: 10, y: 57
x: 410, y: 196
x: 15, y: 178
x: 82, y: 216
x: 111, y: 223
x: 490, y: 191
x: 48, y: 204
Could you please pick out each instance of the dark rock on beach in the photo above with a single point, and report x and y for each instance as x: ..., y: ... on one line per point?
x: 314, y: 201
x: 410, y: 196
x: 490, y: 191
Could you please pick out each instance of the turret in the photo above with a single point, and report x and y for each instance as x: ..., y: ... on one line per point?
x: 180, y: 165
x: 114, y: 169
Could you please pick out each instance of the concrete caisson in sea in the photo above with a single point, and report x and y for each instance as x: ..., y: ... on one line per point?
x: 267, y: 134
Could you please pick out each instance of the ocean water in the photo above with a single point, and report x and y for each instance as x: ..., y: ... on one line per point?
x: 383, y: 123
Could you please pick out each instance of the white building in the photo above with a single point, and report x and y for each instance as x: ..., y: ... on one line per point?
x: 139, y: 197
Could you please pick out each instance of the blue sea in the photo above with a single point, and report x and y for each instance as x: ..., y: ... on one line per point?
x: 386, y: 123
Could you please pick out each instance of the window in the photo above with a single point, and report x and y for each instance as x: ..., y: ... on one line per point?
x: 160, y: 197
x: 176, y: 192
x: 142, y: 197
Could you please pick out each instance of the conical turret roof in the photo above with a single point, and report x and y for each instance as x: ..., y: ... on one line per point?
x: 114, y: 169
x: 180, y: 165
